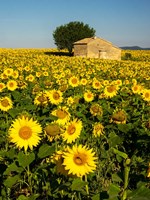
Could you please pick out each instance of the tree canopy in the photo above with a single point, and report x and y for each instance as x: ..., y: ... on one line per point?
x: 65, y: 35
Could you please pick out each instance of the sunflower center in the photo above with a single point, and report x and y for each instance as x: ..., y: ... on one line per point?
x: 4, y: 103
x: 135, y: 88
x: 52, y: 130
x: 98, y: 128
x: 146, y: 95
x: 1, y: 86
x: 56, y: 96
x: 80, y: 159
x: 74, y: 81
x: 97, y: 84
x: 95, y: 108
x: 111, y: 88
x: 89, y: 96
x: 11, y: 84
x: 25, y: 132
x: 71, y: 129
x: 61, y: 114
x: 41, y: 99
x: 119, y: 116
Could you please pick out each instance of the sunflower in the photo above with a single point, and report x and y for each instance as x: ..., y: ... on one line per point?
x: 96, y: 84
x: 45, y: 73
x: 30, y: 78
x: 70, y: 101
x: 136, y: 89
x: 83, y: 81
x: 73, y: 81
x: 73, y: 130
x: 106, y: 82
x: 55, y: 96
x: 5, y: 103
x: 98, y: 129
x: 11, y: 85
x: 79, y: 160
x: 119, y: 117
x: 110, y: 91
x: 41, y: 99
x: 58, y: 159
x: 63, y: 87
x: 38, y: 74
x: 8, y: 71
x: 146, y: 94
x: 134, y: 81
x: 24, y: 132
x: 21, y: 84
x: 2, y: 86
x: 3, y: 76
x: 126, y: 82
x: 53, y: 131
x: 118, y: 82
x: 62, y: 114
x: 96, y: 110
x: 15, y: 74
x: 88, y: 96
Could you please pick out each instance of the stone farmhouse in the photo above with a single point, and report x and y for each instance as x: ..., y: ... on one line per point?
x: 96, y: 47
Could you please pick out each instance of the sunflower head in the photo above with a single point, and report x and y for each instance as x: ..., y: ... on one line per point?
x: 53, y: 131
x: 96, y: 110
x: 110, y: 91
x: 2, y: 86
x: 62, y: 115
x: 63, y: 88
x: 79, y: 160
x: 119, y: 117
x: 12, y: 85
x: 21, y: 84
x: 88, y: 96
x: 24, y: 132
x: 98, y: 129
x: 55, y: 96
x: 41, y: 99
x: 74, y: 81
x: 5, y: 104
x: 58, y: 159
x: 73, y: 130
x: 146, y: 95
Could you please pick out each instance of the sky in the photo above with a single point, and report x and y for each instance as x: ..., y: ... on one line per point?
x: 31, y: 23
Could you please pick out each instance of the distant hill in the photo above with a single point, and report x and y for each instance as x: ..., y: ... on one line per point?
x: 134, y: 48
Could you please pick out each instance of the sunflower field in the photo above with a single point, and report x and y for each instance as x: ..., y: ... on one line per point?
x: 74, y: 128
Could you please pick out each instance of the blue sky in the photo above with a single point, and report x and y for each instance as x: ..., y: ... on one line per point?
x: 30, y: 23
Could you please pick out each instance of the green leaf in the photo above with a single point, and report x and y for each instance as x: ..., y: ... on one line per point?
x: 34, y: 196
x: 96, y: 197
x: 120, y: 153
x: 13, y: 168
x: 10, y: 181
x: 78, y: 184
x: 116, y: 178
x: 125, y: 128
x: 14, y: 112
x: 141, y: 193
x: 22, y: 197
x: 25, y: 160
x: 114, y: 139
x: 45, y: 150
x: 113, y: 191
x: 11, y: 154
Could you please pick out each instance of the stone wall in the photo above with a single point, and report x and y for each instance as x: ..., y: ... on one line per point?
x: 97, y: 48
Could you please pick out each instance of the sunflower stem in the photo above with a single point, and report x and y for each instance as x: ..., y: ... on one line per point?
x: 86, y: 186
x: 29, y: 178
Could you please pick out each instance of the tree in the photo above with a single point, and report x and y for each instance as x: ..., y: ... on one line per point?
x: 65, y: 35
